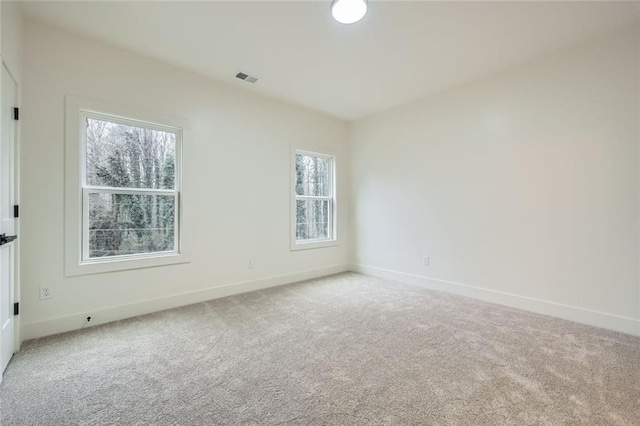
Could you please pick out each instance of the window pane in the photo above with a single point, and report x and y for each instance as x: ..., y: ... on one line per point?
x: 121, y: 224
x: 313, y: 175
x: 312, y: 219
x: 126, y: 156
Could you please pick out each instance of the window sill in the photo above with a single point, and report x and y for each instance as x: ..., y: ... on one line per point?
x: 116, y: 265
x: 296, y: 245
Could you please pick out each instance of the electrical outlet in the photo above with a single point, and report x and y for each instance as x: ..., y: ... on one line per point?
x: 250, y: 264
x: 425, y: 260
x: 45, y: 292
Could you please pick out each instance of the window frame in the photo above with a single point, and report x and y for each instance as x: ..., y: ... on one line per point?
x: 333, y: 203
x: 77, y: 190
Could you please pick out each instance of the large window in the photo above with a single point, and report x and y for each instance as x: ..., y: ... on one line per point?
x: 123, y: 189
x: 314, y: 200
x: 130, y: 189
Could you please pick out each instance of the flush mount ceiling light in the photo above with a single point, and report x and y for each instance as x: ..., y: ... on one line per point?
x: 348, y: 11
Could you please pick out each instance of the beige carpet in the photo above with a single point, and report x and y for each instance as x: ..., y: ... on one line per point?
x: 347, y: 349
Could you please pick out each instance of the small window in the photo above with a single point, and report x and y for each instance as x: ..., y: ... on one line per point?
x: 123, y: 188
x: 130, y: 189
x: 314, y: 200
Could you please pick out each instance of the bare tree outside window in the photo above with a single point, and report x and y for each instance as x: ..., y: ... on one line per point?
x: 314, y: 197
x: 130, y: 193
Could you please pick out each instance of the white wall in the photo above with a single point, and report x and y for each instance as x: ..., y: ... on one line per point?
x: 11, y: 36
x: 524, y: 183
x: 237, y: 165
x: 522, y: 187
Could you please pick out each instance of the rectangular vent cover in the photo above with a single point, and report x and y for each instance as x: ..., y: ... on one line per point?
x: 246, y: 77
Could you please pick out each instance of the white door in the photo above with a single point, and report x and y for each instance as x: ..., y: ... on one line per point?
x: 8, y: 89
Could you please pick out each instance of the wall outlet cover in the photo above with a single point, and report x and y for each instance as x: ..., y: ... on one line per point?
x: 45, y: 293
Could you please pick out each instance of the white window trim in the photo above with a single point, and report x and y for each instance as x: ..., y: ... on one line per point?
x: 76, y: 262
x: 333, y: 239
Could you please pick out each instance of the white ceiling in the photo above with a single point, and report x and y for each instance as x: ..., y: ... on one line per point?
x: 401, y: 51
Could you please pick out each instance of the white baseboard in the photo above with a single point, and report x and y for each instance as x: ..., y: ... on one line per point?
x: 73, y: 322
x: 572, y: 313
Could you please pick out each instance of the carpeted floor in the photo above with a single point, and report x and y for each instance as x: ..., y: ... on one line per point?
x: 346, y: 349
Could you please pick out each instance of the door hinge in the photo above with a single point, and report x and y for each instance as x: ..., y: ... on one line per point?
x: 16, y: 113
x: 16, y: 211
x: 16, y: 308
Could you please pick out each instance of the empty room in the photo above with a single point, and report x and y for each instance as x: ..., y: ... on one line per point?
x: 320, y: 212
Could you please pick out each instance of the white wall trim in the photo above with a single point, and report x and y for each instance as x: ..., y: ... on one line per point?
x: 334, y: 239
x: 101, y: 316
x: 77, y: 109
x: 572, y: 313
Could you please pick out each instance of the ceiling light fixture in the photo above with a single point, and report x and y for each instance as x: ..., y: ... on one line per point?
x: 348, y: 11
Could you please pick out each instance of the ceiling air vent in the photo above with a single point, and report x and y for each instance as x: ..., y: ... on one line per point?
x: 246, y: 77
